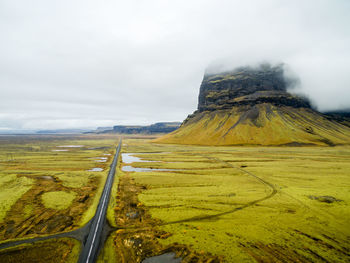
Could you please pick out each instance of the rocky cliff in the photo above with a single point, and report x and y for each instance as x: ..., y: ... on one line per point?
x: 251, y: 106
x: 247, y: 86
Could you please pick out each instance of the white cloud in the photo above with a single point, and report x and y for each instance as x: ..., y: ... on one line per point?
x: 90, y: 63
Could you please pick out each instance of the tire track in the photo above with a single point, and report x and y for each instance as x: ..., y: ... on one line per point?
x: 273, y: 192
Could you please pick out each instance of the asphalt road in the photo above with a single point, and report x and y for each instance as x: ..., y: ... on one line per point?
x: 93, y: 242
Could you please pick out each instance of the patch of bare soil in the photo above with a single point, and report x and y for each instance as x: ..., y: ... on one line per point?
x: 41, y: 220
x: 137, y: 237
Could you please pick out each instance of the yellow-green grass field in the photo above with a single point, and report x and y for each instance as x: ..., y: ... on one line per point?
x: 45, y: 183
x: 264, y: 204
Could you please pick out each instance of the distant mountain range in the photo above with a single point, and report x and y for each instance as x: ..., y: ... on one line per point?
x: 63, y: 131
x: 55, y: 131
x: 160, y: 127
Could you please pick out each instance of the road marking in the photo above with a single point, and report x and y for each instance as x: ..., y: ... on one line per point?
x: 98, y: 221
x: 100, y: 215
x: 101, y: 210
x: 93, y: 239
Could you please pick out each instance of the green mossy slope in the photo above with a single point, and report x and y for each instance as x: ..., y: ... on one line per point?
x: 262, y: 124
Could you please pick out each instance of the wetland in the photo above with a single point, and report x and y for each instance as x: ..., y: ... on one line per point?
x: 188, y: 203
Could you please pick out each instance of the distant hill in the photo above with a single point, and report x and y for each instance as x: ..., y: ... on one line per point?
x: 160, y: 127
x: 251, y: 106
x: 104, y: 128
x: 63, y: 131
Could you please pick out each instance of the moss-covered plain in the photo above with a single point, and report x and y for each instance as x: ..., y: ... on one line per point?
x: 45, y: 183
x: 250, y: 203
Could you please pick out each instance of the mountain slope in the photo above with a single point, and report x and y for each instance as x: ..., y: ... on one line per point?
x: 252, y: 107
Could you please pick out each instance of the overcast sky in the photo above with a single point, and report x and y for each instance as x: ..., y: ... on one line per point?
x: 83, y: 63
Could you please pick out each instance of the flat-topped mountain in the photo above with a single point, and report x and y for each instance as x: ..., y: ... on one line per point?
x: 159, y: 127
x: 251, y: 106
x: 247, y: 86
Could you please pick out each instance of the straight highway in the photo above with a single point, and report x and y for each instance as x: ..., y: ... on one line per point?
x: 92, y: 245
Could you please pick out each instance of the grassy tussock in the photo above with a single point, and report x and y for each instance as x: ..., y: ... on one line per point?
x: 58, y: 200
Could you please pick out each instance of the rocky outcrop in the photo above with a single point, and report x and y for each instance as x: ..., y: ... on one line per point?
x: 247, y: 86
x: 252, y: 106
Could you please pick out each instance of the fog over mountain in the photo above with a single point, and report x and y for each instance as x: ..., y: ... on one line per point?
x: 71, y: 64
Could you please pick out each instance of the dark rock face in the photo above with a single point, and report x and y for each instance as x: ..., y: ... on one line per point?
x: 342, y: 116
x: 247, y: 86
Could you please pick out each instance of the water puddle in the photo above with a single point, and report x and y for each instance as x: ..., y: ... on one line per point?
x: 129, y: 158
x: 167, y: 257
x: 107, y: 154
x: 99, y: 159
x: 59, y: 150
x: 96, y: 169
